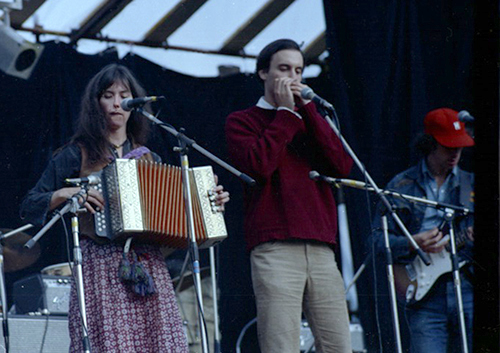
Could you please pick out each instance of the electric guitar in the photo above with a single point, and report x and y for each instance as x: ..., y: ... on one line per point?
x: 414, y: 280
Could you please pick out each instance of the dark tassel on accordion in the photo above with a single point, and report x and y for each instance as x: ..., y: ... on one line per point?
x: 125, y: 269
x: 135, y: 274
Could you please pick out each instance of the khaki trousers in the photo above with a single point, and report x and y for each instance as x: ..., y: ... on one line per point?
x: 294, y: 277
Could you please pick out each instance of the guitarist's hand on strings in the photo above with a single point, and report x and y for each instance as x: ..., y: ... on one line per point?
x: 431, y: 241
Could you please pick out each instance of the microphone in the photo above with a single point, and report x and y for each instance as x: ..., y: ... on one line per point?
x: 308, y: 93
x: 314, y: 175
x: 130, y: 103
x: 90, y: 180
x: 465, y: 117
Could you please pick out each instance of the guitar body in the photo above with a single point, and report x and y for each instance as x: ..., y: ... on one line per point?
x: 414, y: 280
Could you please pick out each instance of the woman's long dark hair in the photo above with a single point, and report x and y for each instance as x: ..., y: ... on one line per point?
x: 92, y: 130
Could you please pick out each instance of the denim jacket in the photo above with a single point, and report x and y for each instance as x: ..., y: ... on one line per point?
x: 411, y: 182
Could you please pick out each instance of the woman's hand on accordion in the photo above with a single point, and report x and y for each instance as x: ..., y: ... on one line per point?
x: 93, y: 199
x: 220, y: 196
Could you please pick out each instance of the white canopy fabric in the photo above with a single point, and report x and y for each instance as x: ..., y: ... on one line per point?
x: 193, y: 37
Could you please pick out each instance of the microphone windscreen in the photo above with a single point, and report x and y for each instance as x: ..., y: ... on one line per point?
x: 313, y: 175
x: 465, y: 117
x: 125, y: 104
x: 307, y: 93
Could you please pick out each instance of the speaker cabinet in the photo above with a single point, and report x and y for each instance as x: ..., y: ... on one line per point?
x: 46, y: 334
x: 307, y: 338
x: 19, y: 56
x: 42, y: 294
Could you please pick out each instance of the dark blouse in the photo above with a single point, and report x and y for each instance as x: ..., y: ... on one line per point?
x: 64, y: 164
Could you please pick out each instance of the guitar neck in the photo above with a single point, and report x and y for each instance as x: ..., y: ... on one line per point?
x: 460, y: 232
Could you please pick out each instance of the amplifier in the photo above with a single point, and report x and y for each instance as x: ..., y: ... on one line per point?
x: 42, y: 293
x: 307, y: 338
x: 44, y: 334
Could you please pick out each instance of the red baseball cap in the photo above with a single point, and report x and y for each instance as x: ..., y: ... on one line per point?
x: 444, y: 126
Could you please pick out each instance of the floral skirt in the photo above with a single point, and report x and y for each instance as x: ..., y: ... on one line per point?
x: 119, y: 320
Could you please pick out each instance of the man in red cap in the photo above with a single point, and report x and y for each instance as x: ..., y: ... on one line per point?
x: 431, y: 303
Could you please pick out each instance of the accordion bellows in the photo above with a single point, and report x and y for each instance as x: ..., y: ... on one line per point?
x: 145, y: 200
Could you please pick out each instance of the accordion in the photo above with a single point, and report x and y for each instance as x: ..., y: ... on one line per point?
x: 144, y: 200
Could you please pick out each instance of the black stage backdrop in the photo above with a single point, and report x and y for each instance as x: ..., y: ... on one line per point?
x: 391, y: 62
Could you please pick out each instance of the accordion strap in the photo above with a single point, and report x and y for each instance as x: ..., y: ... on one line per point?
x: 137, y: 153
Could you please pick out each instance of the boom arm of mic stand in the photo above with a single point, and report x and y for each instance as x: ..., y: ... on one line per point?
x: 425, y: 258
x: 71, y: 205
x: 191, y: 143
x: 15, y: 231
x: 439, y: 205
x: 30, y: 243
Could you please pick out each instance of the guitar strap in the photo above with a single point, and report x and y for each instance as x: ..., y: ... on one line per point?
x: 466, y: 192
x: 466, y: 198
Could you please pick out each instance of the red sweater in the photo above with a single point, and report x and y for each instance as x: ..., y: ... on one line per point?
x: 279, y: 150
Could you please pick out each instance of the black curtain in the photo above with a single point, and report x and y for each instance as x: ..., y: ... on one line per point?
x: 391, y: 62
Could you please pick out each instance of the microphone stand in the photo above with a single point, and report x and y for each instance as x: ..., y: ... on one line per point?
x: 425, y: 258
x: 213, y: 275
x: 214, y: 295
x: 181, y: 307
x: 193, y: 245
x: 185, y: 144
x: 72, y: 205
x: 392, y: 286
x: 346, y: 256
x: 449, y: 215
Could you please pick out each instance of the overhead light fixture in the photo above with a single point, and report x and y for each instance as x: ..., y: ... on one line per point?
x: 12, y: 4
x: 19, y: 56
